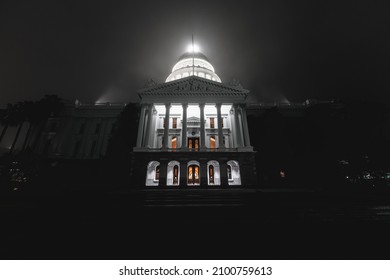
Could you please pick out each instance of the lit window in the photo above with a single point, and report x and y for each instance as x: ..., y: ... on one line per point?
x: 153, y: 174
x: 211, y: 174
x: 212, y: 123
x: 212, y: 142
x: 176, y: 175
x: 233, y: 173
x: 193, y: 176
x: 174, y: 142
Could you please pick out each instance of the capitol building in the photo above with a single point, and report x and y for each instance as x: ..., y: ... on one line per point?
x: 193, y: 129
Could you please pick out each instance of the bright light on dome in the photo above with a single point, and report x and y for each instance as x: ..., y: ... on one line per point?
x: 193, y: 48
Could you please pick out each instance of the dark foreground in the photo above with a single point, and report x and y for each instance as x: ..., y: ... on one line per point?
x: 196, y: 224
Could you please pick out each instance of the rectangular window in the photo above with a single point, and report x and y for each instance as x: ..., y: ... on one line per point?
x: 163, y: 122
x: 174, y: 122
x: 212, y: 123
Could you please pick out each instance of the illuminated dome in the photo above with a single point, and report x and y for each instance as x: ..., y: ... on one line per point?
x: 184, y: 67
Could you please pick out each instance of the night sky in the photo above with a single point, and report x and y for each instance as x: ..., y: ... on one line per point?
x: 279, y: 50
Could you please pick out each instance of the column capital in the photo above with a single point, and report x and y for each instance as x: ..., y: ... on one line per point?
x: 168, y: 105
x: 184, y: 105
x: 201, y: 105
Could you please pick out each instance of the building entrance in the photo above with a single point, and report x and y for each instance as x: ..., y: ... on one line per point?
x: 193, y: 143
x: 193, y: 175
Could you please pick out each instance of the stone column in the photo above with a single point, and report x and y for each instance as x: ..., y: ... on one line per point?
x: 149, y: 125
x: 152, y: 131
x: 166, y: 125
x: 220, y: 122
x: 203, y: 173
x: 223, y: 172
x: 245, y: 127
x: 141, y: 125
x: 237, y: 128
x: 163, y: 174
x: 202, y: 130
x: 183, y: 173
x: 184, y: 128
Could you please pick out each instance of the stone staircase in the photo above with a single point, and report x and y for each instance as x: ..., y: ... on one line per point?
x: 196, y: 198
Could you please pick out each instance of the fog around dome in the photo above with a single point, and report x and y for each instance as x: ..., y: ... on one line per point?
x: 191, y: 62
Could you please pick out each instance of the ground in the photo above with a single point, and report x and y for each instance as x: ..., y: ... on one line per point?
x: 196, y: 224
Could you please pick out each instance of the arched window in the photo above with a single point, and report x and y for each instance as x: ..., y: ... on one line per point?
x: 152, y: 173
x: 213, y: 173
x: 193, y: 173
x: 157, y: 175
x: 176, y: 175
x: 233, y: 170
x: 173, y: 173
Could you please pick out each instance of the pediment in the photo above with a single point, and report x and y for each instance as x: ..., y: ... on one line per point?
x: 193, y: 120
x: 192, y: 87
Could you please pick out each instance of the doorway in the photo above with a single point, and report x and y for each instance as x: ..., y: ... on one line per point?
x: 193, y: 177
x: 193, y: 143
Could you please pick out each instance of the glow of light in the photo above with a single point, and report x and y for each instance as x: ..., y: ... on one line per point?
x: 193, y: 48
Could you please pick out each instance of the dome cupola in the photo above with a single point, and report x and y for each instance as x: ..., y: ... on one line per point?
x: 193, y: 63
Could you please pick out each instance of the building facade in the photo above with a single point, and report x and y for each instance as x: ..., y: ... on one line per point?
x: 79, y: 131
x: 193, y: 130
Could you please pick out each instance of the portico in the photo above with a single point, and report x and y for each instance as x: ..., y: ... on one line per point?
x: 192, y: 127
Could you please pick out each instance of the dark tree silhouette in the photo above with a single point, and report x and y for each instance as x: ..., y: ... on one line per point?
x: 121, y: 143
x: 49, y: 105
x: 4, y: 123
x: 17, y: 117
